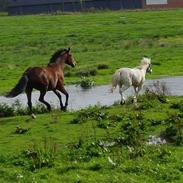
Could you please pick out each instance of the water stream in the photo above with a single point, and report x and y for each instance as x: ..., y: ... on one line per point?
x: 99, y: 95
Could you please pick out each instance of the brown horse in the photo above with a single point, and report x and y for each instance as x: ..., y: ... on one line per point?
x: 49, y: 78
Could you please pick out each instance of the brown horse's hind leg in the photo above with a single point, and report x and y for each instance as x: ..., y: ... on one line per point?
x: 28, y: 93
x: 60, y: 99
x: 41, y: 99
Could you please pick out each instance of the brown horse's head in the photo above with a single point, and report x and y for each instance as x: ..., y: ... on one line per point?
x: 63, y: 55
x: 69, y: 59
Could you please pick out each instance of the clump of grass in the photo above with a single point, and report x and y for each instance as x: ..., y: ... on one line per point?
x: 17, y: 109
x: 173, y: 132
x: 129, y: 43
x: 39, y: 155
x: 67, y: 74
x: 87, y: 73
x: 102, y: 66
x: 146, y: 42
x: 156, y: 63
x: 6, y: 110
x: 84, y: 151
x: 21, y: 130
x: 86, y: 83
x: 92, y: 113
x: 177, y: 105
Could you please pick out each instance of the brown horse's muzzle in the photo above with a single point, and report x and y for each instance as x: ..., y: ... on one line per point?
x: 73, y: 64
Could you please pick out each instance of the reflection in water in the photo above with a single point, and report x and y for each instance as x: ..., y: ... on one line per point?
x: 99, y: 95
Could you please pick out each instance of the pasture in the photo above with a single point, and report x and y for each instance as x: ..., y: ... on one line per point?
x: 115, y: 39
x: 98, y: 144
x: 128, y: 143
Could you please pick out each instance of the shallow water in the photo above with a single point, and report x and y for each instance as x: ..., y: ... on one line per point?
x: 99, y: 95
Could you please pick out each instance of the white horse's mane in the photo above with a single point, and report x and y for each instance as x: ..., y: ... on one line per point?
x: 144, y: 61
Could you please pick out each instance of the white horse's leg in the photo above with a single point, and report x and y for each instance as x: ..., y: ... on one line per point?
x: 137, y: 90
x: 121, y: 90
x: 136, y: 94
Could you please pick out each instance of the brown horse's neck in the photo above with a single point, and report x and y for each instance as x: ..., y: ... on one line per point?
x: 58, y: 63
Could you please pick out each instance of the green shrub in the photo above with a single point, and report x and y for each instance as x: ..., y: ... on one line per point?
x: 173, y: 131
x: 86, y: 83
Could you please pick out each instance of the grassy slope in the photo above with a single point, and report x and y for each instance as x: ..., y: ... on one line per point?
x: 157, y: 165
x: 115, y: 38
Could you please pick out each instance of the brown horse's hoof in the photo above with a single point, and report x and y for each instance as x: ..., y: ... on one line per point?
x: 64, y: 108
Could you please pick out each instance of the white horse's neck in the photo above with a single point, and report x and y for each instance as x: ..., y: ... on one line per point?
x: 143, y: 68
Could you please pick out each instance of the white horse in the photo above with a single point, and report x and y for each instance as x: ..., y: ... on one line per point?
x: 126, y: 77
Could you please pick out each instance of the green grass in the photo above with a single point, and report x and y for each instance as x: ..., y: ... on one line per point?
x: 118, y: 39
x: 74, y: 141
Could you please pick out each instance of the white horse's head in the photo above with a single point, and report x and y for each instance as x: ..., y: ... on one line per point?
x: 147, y: 62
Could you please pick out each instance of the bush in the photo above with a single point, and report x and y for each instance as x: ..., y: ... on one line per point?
x: 86, y: 83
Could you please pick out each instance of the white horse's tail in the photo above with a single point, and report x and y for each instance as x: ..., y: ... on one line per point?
x: 115, y: 80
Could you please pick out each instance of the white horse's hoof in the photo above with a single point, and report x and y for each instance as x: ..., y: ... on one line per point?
x: 122, y: 102
x: 134, y: 100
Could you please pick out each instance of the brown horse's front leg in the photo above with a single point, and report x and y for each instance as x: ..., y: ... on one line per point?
x: 60, y: 87
x: 60, y: 98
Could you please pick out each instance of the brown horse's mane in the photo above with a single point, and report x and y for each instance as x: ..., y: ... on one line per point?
x: 57, y: 54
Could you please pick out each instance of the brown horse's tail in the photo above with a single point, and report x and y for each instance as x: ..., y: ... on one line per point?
x: 19, y: 88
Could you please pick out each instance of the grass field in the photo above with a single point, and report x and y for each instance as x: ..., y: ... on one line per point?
x: 98, y: 144
x: 116, y: 39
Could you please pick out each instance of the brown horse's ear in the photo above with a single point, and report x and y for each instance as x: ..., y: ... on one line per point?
x: 69, y: 49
